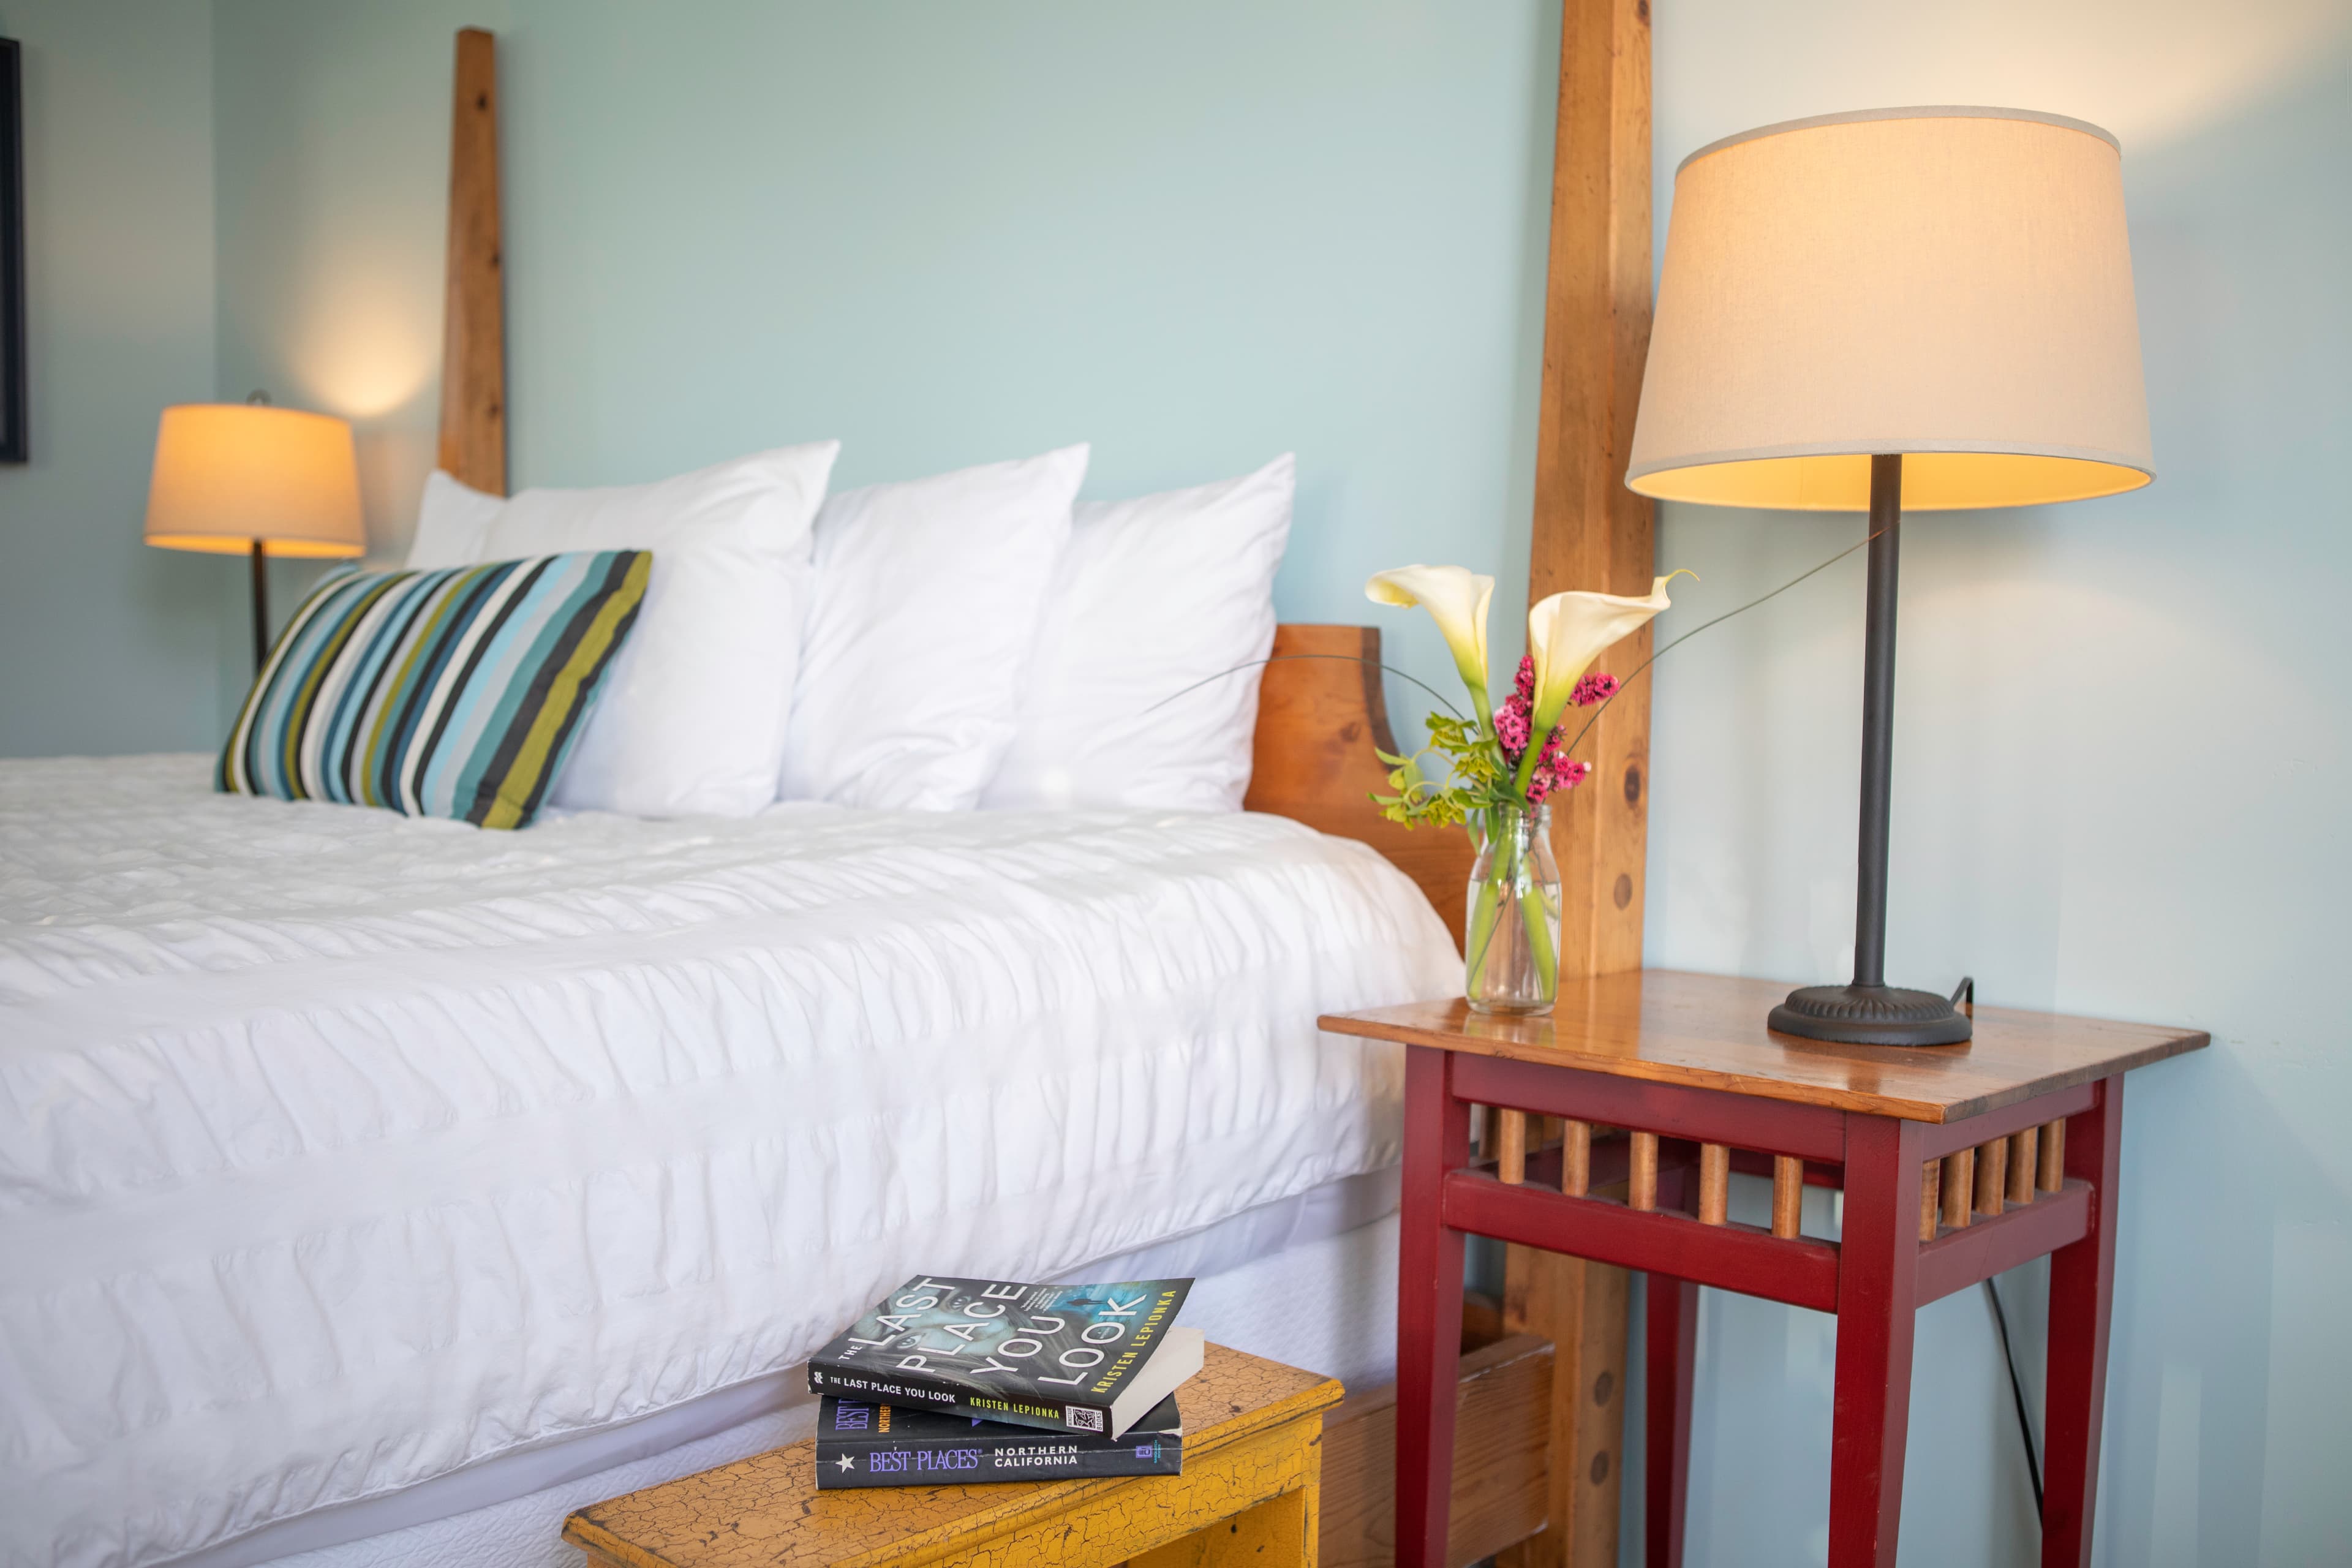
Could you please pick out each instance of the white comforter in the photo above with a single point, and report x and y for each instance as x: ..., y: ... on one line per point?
x: 339, y: 1149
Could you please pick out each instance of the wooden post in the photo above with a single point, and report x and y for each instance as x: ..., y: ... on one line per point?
x: 2021, y: 1151
x: 1715, y: 1184
x: 1959, y: 1185
x: 2050, y: 1157
x: 1788, y: 1196
x: 1575, y: 1158
x: 1591, y: 531
x: 1992, y: 1175
x: 473, y: 303
x: 1641, y: 1173
x: 1512, y: 1160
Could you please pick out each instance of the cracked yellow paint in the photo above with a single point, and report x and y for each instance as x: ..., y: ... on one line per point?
x: 1249, y: 1493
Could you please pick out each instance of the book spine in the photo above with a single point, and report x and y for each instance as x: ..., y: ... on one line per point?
x: 940, y: 1461
x: 889, y: 1386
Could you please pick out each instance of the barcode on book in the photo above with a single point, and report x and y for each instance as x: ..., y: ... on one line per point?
x: 1080, y: 1419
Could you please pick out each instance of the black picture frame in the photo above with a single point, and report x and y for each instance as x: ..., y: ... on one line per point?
x: 15, y: 442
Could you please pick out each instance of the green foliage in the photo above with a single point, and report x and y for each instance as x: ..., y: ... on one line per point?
x: 1474, y: 776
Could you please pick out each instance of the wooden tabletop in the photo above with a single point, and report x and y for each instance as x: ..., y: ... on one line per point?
x: 767, y: 1511
x: 1708, y: 1030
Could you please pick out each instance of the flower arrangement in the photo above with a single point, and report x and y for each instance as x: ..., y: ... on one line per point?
x: 1502, y: 765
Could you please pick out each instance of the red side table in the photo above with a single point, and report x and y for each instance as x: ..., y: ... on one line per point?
x: 1956, y: 1162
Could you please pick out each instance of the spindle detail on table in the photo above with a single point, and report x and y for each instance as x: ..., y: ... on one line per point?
x: 2050, y: 1161
x: 1511, y: 1159
x: 1575, y: 1158
x: 1992, y: 1174
x: 1714, y: 1183
x: 2022, y: 1171
x: 1959, y: 1187
x: 1641, y: 1173
x: 1788, y: 1196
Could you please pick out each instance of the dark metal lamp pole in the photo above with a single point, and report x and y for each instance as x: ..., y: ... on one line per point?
x: 1869, y: 1012
x: 260, y: 609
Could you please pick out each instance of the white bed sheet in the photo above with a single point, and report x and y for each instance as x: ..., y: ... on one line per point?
x: 341, y: 1151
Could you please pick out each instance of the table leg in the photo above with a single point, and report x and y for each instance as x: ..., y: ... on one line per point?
x: 2082, y: 1292
x: 1672, y: 1352
x: 1429, y: 1308
x: 1878, y: 1288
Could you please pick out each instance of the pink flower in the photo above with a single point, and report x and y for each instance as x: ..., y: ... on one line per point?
x: 1551, y: 777
x: 1593, y: 688
x: 1524, y: 685
x: 1511, y: 728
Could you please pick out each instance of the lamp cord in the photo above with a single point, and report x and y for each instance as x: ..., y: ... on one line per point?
x: 1964, y: 994
x: 2016, y: 1395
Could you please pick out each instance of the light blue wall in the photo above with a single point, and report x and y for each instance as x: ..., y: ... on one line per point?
x: 330, y: 154
x: 1195, y: 236
x: 2123, y: 738
x: 1199, y: 235
x: 106, y: 645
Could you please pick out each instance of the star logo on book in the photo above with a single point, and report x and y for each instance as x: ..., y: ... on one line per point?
x: 846, y: 1463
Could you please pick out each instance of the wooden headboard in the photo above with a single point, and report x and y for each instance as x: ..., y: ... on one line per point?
x: 1319, y: 715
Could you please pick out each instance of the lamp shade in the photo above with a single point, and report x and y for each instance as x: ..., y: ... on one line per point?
x: 229, y: 474
x: 1953, y: 285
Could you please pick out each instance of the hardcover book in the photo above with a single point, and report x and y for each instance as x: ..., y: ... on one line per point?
x: 862, y: 1445
x: 1067, y: 1358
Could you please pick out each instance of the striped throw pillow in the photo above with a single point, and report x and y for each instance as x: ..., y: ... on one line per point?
x: 452, y: 693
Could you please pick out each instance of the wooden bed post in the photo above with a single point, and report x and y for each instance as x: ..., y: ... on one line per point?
x: 1591, y: 531
x: 473, y: 300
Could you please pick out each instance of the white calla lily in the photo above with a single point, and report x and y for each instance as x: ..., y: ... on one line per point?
x: 1568, y: 631
x: 1456, y: 599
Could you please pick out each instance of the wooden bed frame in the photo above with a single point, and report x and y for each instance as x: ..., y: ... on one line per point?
x: 1542, y: 1392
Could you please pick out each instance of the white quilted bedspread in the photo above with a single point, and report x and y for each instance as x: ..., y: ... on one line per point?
x: 339, y: 1149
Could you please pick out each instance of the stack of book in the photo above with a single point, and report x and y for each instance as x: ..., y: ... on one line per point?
x: 953, y: 1381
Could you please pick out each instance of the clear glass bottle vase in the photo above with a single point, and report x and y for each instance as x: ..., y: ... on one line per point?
x: 1511, y: 944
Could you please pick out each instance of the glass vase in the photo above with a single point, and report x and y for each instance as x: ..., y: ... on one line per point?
x: 1511, y: 944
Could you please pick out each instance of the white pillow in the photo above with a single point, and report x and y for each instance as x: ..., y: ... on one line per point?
x: 1154, y: 595
x: 451, y: 523
x: 929, y: 596
x: 690, y: 720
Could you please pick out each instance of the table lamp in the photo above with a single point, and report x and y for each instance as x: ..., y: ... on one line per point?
x: 1928, y: 307
x: 243, y: 479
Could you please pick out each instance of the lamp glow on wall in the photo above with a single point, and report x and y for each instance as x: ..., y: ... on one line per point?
x: 1928, y: 307
x: 249, y: 479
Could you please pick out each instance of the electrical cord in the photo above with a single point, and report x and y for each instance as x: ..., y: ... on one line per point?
x: 1964, y: 994
x: 2017, y: 1392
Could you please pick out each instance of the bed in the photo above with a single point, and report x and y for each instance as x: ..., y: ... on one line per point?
x: 360, y: 1170
x: 376, y: 1192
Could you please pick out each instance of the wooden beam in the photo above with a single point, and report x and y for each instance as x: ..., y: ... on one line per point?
x: 1591, y: 531
x: 473, y: 303
x: 1499, y: 1447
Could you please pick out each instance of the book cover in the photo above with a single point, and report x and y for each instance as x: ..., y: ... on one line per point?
x: 862, y: 1445
x: 1068, y: 1358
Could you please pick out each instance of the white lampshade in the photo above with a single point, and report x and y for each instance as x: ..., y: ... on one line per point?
x: 229, y: 474
x: 1953, y: 285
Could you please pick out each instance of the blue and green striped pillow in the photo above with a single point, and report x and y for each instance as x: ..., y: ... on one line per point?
x: 452, y: 693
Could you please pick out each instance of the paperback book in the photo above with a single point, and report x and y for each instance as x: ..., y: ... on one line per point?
x: 1066, y: 1358
x: 862, y: 1445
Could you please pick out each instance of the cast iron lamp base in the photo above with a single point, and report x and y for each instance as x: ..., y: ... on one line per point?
x: 1871, y: 1016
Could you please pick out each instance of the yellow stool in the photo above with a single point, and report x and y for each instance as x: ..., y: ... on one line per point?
x: 1249, y: 1493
